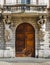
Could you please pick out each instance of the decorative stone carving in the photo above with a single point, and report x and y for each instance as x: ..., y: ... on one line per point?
x: 8, y: 33
x: 41, y: 21
x: 7, y: 19
x: 41, y: 24
x: 41, y: 35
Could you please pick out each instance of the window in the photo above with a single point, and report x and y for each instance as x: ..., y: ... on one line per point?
x: 28, y: 1
x: 40, y: 2
x: 23, y: 1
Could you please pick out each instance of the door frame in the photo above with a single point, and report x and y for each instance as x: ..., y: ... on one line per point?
x: 34, y: 38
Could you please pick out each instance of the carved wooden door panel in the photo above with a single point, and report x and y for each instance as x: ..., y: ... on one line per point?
x: 25, y: 41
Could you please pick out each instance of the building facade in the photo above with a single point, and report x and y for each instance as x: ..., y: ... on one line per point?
x: 24, y: 29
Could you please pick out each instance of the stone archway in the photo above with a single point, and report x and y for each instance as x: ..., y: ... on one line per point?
x: 25, y: 40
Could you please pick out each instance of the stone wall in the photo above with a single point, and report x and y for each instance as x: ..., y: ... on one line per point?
x: 44, y: 50
x: 10, y: 35
x: 8, y: 30
x: 2, y: 40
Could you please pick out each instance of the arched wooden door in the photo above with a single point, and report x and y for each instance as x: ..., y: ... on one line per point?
x: 25, y: 40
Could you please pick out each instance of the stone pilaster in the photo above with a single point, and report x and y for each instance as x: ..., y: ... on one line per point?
x: 46, y: 46
x: 41, y: 35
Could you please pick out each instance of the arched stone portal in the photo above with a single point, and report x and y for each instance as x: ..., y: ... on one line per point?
x: 25, y: 40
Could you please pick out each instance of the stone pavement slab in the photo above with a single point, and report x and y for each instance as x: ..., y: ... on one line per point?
x: 24, y: 60
x: 7, y: 63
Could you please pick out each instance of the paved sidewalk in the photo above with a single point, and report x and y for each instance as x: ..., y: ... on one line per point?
x: 24, y: 60
x: 6, y: 63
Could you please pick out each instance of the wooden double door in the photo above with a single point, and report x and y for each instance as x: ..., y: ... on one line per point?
x: 25, y: 40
